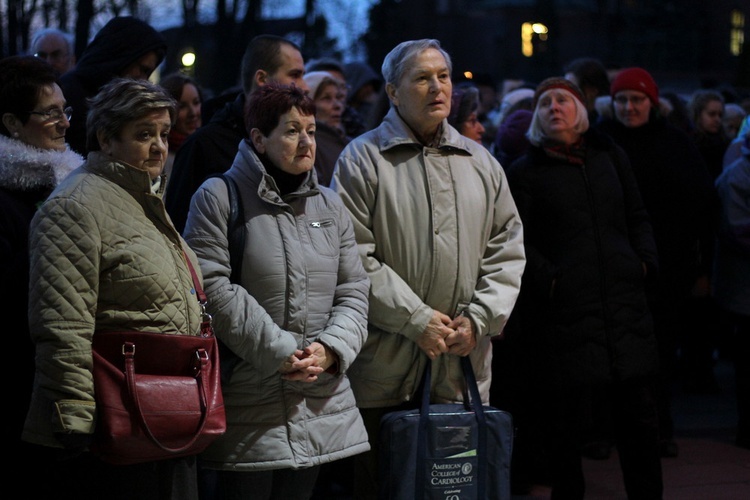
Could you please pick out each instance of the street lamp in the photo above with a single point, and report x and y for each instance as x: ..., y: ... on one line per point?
x: 188, y: 61
x: 528, y: 30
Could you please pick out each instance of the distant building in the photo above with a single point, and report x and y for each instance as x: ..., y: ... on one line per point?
x: 686, y: 43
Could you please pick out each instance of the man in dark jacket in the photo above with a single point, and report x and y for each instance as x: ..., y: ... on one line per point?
x: 124, y: 47
x: 212, y: 148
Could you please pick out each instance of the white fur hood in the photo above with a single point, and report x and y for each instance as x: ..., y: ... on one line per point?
x: 24, y: 167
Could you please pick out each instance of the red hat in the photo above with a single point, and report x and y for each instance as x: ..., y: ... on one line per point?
x: 558, y: 83
x: 635, y: 79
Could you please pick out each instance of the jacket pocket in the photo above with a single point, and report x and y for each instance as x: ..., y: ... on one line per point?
x: 324, y: 236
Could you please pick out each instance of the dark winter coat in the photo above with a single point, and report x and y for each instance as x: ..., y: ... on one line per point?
x: 678, y: 194
x: 121, y: 42
x: 587, y: 235
x: 209, y: 150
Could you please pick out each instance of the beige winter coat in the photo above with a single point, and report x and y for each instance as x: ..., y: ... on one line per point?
x: 437, y: 229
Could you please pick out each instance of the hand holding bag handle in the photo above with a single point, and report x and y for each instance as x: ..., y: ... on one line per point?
x: 474, y: 403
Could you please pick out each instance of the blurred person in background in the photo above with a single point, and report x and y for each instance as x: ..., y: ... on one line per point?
x: 706, y: 109
x: 187, y: 93
x: 734, y: 114
x: 464, y: 112
x: 731, y: 278
x: 124, y: 47
x: 679, y: 197
x: 329, y: 95
x: 56, y: 47
x: 591, y: 76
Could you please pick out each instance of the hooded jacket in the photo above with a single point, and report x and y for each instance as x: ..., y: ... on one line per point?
x: 437, y: 229
x: 121, y: 42
x: 302, y: 282
x: 104, y: 257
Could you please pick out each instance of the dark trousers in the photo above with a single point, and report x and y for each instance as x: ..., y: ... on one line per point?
x: 279, y: 484
x: 85, y: 477
x: 635, y: 427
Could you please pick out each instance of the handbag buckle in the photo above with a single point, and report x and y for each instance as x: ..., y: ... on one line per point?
x: 128, y: 349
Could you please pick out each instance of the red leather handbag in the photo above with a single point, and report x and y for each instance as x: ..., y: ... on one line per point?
x: 158, y: 396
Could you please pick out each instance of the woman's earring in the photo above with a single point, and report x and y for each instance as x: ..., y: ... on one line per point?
x: 16, y: 134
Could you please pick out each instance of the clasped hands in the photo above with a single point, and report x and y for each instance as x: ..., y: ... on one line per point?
x: 444, y: 334
x: 306, y: 364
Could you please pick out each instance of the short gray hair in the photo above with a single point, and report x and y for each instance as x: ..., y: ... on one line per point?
x: 537, y: 135
x: 394, y: 65
x: 120, y: 102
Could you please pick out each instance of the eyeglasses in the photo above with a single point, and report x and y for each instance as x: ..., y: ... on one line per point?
x: 54, y: 115
x: 634, y: 99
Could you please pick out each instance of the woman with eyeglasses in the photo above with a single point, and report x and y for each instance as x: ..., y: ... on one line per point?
x: 33, y: 159
x: 678, y: 194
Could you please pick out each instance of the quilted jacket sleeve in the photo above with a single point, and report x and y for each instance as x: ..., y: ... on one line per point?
x: 63, y: 294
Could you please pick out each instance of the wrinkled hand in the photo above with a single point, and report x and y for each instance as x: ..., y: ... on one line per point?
x: 306, y: 364
x: 463, y: 340
x: 432, y: 340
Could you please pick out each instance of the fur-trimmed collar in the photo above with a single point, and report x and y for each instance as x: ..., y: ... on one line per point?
x: 24, y: 167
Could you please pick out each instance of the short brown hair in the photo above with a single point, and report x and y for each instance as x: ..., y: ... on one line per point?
x: 267, y: 103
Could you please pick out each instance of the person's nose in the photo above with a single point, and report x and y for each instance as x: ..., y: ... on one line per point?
x: 305, y: 139
x: 480, y: 127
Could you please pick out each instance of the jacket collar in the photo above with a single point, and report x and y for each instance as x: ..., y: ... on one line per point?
x: 24, y: 167
x: 126, y: 176
x: 250, y: 165
x: 395, y: 132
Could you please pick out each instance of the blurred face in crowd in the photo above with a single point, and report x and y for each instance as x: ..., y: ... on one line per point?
x: 292, y: 69
x: 142, y: 68
x: 329, y: 104
x: 188, y: 110
x: 53, y: 48
x: 557, y: 114
x: 47, y: 123
x: 632, y: 108
x: 472, y: 128
x: 142, y: 143
x: 291, y: 145
x: 423, y: 96
x: 710, y: 118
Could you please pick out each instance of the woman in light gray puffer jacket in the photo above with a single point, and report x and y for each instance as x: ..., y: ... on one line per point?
x: 298, y: 317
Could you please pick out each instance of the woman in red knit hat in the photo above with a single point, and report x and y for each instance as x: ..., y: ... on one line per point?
x: 677, y: 191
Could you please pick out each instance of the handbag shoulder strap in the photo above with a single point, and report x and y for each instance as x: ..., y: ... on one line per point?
x: 206, y: 328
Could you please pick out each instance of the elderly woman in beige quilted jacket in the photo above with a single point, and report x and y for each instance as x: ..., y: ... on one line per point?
x: 105, y: 256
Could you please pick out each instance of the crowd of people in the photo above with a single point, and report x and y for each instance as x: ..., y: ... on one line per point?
x: 584, y: 240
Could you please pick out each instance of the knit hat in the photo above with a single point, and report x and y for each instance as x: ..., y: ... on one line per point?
x: 558, y: 83
x: 635, y: 79
x: 511, y: 141
x: 314, y: 80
